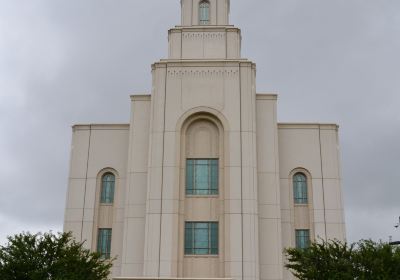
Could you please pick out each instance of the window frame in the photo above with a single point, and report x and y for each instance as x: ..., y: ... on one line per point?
x: 203, y: 9
x: 302, y: 236
x: 303, y: 199
x: 212, y: 248
x: 191, y: 187
x: 104, y: 238
x: 106, y: 196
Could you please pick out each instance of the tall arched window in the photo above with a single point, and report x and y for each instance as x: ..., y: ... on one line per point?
x: 107, y: 188
x: 204, y: 13
x: 300, y: 189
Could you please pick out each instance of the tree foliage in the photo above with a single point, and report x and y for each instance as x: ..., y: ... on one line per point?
x: 334, y: 260
x: 50, y: 257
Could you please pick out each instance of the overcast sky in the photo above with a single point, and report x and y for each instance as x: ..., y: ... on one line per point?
x: 64, y: 62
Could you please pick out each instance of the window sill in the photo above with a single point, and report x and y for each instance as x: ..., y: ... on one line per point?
x: 202, y: 195
x: 301, y: 204
x: 201, y: 256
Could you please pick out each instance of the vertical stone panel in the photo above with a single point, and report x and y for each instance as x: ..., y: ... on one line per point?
x: 250, y: 244
x: 136, y: 189
x: 269, y: 192
x: 155, y: 175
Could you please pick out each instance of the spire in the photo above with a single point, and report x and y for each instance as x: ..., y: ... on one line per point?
x: 205, y: 12
x: 205, y: 32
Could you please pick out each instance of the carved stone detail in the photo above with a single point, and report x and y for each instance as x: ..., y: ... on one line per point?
x: 206, y: 73
x: 203, y: 35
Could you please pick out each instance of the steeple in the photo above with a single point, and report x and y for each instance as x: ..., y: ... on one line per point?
x: 205, y: 32
x: 205, y: 12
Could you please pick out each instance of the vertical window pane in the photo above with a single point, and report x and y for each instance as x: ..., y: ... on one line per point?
x: 214, y: 177
x: 202, y: 176
x: 188, y: 239
x: 204, y: 13
x: 104, y: 243
x: 214, y: 239
x: 189, y: 176
x: 300, y: 188
x: 201, y: 238
x: 302, y: 238
x: 107, y: 188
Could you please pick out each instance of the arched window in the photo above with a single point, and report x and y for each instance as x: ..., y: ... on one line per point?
x: 204, y: 13
x: 300, y: 191
x: 107, y: 188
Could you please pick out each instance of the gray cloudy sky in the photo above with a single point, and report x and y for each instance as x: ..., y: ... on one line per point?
x: 77, y: 61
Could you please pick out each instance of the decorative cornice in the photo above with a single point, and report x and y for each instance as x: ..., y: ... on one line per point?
x: 205, y: 63
x: 205, y: 27
x: 202, y: 73
x: 203, y: 35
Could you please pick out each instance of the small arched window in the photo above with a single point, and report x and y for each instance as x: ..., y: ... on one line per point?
x: 300, y: 189
x: 204, y: 13
x: 107, y: 188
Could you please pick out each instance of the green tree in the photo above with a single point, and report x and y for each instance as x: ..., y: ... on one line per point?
x: 50, y: 257
x: 378, y: 261
x: 335, y: 260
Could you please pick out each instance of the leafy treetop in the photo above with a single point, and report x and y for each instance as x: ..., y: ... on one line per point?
x: 335, y: 260
x: 50, y: 257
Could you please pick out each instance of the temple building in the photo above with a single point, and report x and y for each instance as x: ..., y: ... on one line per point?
x: 203, y: 182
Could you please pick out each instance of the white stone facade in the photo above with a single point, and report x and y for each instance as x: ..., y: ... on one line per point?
x: 204, y: 104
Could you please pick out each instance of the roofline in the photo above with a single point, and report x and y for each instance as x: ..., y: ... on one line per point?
x: 121, y: 126
x: 141, y: 97
x: 324, y: 126
x: 266, y: 96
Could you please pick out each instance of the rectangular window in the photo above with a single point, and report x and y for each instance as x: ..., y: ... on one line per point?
x: 302, y: 238
x: 202, y: 176
x: 201, y: 238
x: 104, y: 242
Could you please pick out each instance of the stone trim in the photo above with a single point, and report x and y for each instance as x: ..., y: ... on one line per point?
x: 167, y: 278
x: 78, y: 127
x: 266, y: 96
x: 322, y: 126
x: 140, y: 97
x: 202, y: 73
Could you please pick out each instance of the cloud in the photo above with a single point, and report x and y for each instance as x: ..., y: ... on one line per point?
x: 67, y: 62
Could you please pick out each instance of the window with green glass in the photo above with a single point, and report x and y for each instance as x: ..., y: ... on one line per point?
x: 201, y: 238
x: 204, y: 13
x: 202, y: 176
x: 302, y: 238
x: 104, y: 242
x: 300, y: 189
x: 107, y: 188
